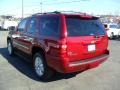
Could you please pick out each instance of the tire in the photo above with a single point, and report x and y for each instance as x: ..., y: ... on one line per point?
x: 10, y: 48
x: 41, y: 68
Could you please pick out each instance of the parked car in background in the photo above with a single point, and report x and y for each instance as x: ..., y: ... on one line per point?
x: 11, y: 28
x: 60, y: 42
x: 8, y: 24
x: 113, y: 31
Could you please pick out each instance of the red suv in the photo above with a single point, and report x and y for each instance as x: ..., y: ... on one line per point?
x: 65, y: 42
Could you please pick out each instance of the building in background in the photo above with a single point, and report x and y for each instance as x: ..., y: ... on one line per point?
x: 8, y: 21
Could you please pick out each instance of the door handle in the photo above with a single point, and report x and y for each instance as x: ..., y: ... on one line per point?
x: 28, y: 39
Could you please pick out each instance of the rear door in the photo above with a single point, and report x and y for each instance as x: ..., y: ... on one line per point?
x: 18, y: 34
x: 86, y: 38
x: 30, y: 36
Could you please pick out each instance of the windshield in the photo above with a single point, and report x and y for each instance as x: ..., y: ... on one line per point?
x: 84, y: 27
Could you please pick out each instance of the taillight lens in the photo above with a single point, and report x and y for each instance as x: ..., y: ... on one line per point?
x: 64, y: 46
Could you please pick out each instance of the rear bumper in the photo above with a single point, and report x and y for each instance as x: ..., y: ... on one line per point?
x: 64, y: 66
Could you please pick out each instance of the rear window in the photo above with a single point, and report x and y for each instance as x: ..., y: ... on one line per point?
x: 77, y: 26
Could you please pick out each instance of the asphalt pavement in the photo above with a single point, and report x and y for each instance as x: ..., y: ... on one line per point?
x: 17, y: 74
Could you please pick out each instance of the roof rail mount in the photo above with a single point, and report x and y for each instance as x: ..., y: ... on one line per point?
x: 58, y: 12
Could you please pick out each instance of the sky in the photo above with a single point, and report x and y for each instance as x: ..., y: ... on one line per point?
x: 14, y: 7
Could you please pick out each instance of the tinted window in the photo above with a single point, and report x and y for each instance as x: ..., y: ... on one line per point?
x: 49, y: 26
x: 32, y: 26
x: 113, y: 26
x: 22, y: 25
x: 77, y: 26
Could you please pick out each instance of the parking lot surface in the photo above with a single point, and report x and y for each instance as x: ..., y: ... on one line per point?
x: 16, y: 74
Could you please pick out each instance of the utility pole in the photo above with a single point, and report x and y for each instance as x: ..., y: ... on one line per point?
x: 41, y: 6
x: 22, y: 9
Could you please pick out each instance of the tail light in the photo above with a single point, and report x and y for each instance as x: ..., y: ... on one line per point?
x: 59, y: 48
x: 63, y: 48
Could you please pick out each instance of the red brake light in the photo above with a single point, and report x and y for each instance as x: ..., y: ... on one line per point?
x: 64, y: 46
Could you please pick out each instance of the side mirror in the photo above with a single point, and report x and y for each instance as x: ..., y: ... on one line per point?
x: 11, y: 28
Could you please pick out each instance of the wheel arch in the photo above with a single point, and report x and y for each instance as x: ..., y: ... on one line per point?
x: 36, y: 49
x: 8, y: 38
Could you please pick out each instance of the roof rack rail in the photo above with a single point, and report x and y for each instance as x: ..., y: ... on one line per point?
x: 73, y: 12
x: 68, y: 12
x: 37, y: 14
x: 58, y: 12
x: 55, y: 12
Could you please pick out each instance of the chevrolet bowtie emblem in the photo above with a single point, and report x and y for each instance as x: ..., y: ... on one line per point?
x: 92, y: 42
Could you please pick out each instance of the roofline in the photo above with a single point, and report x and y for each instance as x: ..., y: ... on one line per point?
x: 63, y: 12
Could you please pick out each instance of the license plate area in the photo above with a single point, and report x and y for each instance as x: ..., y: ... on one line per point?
x: 91, y: 47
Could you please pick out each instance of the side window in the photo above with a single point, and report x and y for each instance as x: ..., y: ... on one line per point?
x: 22, y: 25
x: 32, y: 26
x: 49, y: 26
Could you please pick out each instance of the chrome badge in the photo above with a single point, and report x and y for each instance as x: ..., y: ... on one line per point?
x: 92, y: 42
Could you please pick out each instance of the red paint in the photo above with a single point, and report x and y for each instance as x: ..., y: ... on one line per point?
x: 60, y: 52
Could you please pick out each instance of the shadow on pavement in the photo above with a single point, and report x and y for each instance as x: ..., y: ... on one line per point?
x: 26, y: 68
